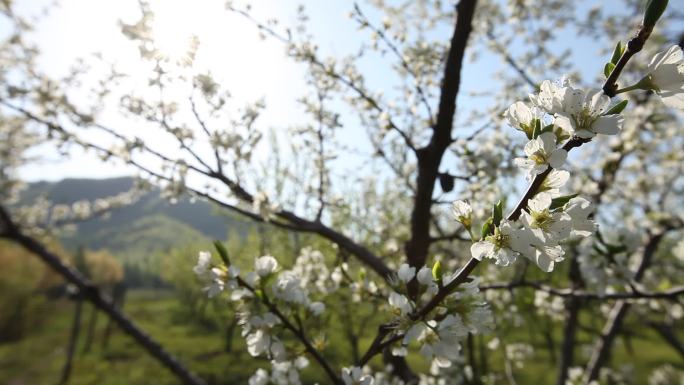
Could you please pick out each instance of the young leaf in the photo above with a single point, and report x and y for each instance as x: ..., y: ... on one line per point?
x: 608, y: 68
x: 437, y: 272
x: 497, y: 213
x: 617, y: 53
x: 487, y: 227
x: 223, y: 253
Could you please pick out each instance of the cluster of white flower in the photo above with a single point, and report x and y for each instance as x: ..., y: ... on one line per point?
x: 538, y: 232
x: 461, y: 312
x: 282, y: 373
x: 287, y: 290
x: 558, y: 113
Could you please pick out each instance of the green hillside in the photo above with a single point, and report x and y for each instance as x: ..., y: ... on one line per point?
x: 143, y: 230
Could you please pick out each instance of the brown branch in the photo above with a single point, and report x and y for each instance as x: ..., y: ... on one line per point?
x: 90, y: 293
x: 296, y: 222
x: 430, y: 156
x: 634, y: 45
x: 297, y: 332
x: 671, y: 294
x: 618, y: 313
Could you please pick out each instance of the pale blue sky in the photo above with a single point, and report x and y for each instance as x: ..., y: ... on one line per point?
x: 250, y: 67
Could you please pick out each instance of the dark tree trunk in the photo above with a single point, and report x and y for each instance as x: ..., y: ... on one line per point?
x: 73, y: 340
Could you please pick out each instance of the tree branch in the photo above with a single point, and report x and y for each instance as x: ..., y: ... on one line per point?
x: 89, y: 292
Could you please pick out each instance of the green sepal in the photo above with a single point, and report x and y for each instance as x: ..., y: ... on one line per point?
x: 559, y: 202
x: 497, y: 213
x: 223, y: 253
x: 487, y: 227
x: 618, y: 108
x: 536, y: 128
x: 547, y: 128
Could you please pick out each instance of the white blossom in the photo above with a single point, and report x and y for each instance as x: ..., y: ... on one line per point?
x: 400, y: 303
x: 504, y: 245
x: 579, y: 210
x: 541, y: 153
x: 584, y: 116
x: 260, y: 377
x: 355, y: 376
x: 406, y: 272
x: 553, y: 182
x: 265, y: 265
x: 463, y: 212
x: 547, y: 226
x: 666, y: 76
x: 317, y: 308
x: 203, y: 263
x: 550, y: 97
x: 424, y: 276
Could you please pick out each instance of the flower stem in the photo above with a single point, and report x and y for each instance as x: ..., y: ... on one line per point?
x: 630, y: 88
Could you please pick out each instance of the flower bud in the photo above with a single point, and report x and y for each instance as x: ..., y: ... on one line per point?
x: 654, y: 9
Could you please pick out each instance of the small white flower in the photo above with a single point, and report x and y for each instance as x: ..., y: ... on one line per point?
x: 355, y: 376
x: 553, y: 183
x: 504, y: 245
x: 399, y: 351
x: 317, y: 308
x: 414, y: 332
x: 400, y: 303
x: 550, y: 97
x: 441, y: 341
x: 203, y: 264
x: 265, y: 265
x: 522, y: 118
x: 666, y: 75
x: 585, y: 117
x: 547, y: 226
x: 258, y: 342
x: 260, y: 377
x: 463, y: 212
x: 579, y: 210
x: 406, y: 272
x: 546, y: 257
x: 541, y: 153
x: 424, y: 276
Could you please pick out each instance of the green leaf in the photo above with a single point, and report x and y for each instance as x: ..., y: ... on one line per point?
x: 654, y: 9
x: 497, y: 213
x: 618, y: 108
x: 487, y: 227
x: 561, y: 201
x: 223, y: 253
x: 608, y: 68
x: 437, y: 271
x: 617, y: 53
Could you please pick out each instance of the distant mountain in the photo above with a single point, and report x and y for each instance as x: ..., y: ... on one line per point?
x: 151, y: 225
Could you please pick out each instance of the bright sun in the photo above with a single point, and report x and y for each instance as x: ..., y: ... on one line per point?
x: 175, y: 25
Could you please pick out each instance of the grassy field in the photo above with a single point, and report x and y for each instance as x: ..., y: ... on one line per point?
x: 38, y: 358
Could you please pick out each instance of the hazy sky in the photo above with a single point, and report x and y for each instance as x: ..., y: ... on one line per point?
x: 231, y: 49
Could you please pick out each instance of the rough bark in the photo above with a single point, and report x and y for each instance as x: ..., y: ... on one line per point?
x: 430, y: 156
